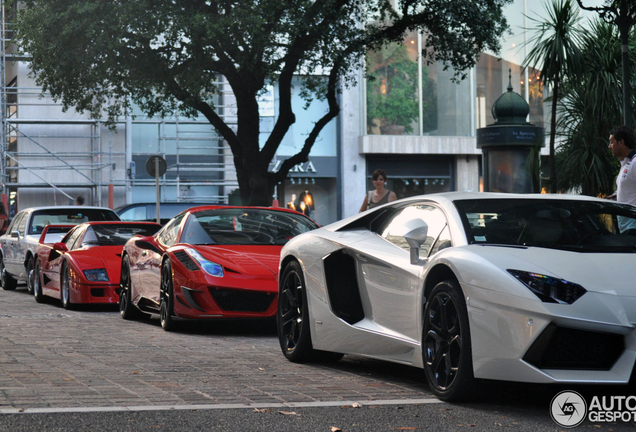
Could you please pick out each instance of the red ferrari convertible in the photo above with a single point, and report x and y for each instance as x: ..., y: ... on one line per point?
x: 84, y: 266
x: 208, y: 262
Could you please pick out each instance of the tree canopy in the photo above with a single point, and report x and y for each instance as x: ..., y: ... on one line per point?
x: 590, y: 108
x: 165, y: 56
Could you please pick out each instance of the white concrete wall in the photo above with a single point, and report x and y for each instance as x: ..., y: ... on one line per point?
x: 353, y: 164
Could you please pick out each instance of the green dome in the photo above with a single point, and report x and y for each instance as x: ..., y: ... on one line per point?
x: 510, y: 108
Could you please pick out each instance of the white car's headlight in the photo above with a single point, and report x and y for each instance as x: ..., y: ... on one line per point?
x: 548, y: 288
x: 210, y: 267
x: 96, y: 275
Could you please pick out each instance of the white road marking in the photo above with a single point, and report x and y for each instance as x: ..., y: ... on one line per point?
x: 218, y: 406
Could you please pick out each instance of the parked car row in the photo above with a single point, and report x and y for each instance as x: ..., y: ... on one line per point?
x: 18, y: 244
x: 466, y: 286
x: 208, y: 262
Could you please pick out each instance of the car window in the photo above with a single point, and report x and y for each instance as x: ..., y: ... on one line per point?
x: 116, y: 234
x: 71, y: 240
x: 244, y: 226
x: 434, y: 218
x: 134, y: 214
x: 68, y: 216
x: 15, y: 222
x: 168, y: 236
x: 21, y: 226
x: 581, y: 225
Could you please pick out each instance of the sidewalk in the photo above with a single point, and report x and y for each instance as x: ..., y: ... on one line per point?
x: 54, y: 358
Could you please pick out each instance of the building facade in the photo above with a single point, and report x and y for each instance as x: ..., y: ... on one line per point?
x: 427, y: 145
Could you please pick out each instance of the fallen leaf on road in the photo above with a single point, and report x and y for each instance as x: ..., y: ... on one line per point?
x: 288, y: 413
x: 261, y: 369
x: 335, y: 429
x: 357, y: 405
x: 260, y: 410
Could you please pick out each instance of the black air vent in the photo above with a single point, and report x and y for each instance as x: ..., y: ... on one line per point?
x: 565, y: 348
x: 185, y: 259
x: 242, y: 300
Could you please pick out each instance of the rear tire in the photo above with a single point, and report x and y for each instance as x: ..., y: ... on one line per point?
x: 127, y: 309
x: 292, y: 319
x: 446, y: 344
x: 37, y: 284
x: 8, y: 282
x: 166, y: 307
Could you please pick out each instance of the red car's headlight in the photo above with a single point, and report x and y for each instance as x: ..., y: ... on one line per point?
x: 96, y: 275
x: 211, y: 268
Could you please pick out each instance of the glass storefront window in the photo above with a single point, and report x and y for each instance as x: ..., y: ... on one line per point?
x: 414, y: 174
x: 392, y: 89
x: 315, y: 197
x: 446, y: 107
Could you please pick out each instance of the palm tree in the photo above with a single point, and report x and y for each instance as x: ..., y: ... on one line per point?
x: 588, y: 110
x: 555, y: 52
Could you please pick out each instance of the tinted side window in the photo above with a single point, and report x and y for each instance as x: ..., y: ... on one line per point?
x: 134, y: 214
x: 72, y: 239
x: 15, y: 222
x: 21, y: 226
x: 168, y: 236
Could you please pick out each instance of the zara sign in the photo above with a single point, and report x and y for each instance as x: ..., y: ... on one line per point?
x: 320, y: 166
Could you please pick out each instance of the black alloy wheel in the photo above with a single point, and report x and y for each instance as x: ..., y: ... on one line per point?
x: 166, y: 307
x: 446, y: 345
x: 127, y: 309
x: 66, y: 287
x: 292, y: 319
x: 37, y: 284
x: 29, y: 272
x: 8, y: 282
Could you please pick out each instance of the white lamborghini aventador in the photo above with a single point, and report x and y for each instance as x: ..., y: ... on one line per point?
x: 529, y: 288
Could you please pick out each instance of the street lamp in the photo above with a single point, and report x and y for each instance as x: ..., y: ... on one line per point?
x: 623, y: 14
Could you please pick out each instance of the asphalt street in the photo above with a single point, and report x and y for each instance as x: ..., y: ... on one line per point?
x: 89, y: 369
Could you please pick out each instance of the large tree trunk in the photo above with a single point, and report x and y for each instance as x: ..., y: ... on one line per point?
x: 255, y: 187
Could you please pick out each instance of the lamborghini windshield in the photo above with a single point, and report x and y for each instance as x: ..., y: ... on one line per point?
x: 565, y: 224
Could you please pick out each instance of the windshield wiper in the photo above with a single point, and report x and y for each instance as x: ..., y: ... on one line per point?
x: 503, y: 245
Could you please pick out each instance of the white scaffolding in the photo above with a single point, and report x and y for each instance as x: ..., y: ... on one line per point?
x: 51, y: 156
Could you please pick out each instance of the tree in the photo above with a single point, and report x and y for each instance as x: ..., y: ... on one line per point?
x: 555, y: 52
x: 589, y: 109
x: 623, y: 14
x: 166, y: 55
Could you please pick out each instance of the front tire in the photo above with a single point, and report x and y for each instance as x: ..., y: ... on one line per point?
x: 37, y: 284
x: 446, y: 344
x: 292, y: 319
x: 166, y: 307
x: 8, y: 282
x: 29, y: 272
x: 66, y: 287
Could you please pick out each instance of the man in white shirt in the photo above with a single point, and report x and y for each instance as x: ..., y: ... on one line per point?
x: 622, y: 143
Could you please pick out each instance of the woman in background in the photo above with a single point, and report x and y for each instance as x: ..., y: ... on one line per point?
x: 380, y: 195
